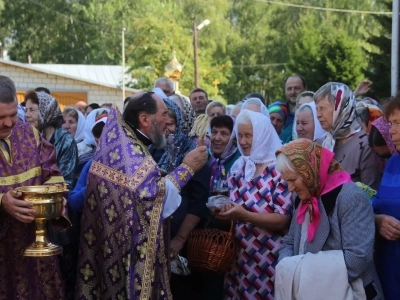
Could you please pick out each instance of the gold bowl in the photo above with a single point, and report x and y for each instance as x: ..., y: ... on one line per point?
x: 48, y: 202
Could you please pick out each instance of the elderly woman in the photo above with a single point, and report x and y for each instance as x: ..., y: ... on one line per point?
x: 224, y: 151
x: 90, y: 141
x: 336, y: 113
x: 255, y: 104
x: 214, y: 109
x: 331, y: 214
x: 307, y: 124
x: 278, y: 113
x: 387, y: 211
x: 43, y: 113
x: 260, y: 208
x: 74, y: 123
x: 188, y: 114
x: 304, y: 97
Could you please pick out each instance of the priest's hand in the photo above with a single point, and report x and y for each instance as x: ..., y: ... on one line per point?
x: 20, y: 209
x: 196, y: 158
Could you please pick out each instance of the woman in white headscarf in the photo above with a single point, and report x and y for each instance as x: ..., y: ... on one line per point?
x: 307, y: 124
x: 89, y: 139
x: 74, y: 123
x: 260, y: 207
x: 336, y: 109
x: 255, y: 104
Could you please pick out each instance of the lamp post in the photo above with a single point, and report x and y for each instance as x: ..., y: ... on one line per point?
x: 195, y: 48
x: 123, y: 65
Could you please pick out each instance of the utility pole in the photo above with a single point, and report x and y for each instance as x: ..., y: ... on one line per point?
x: 395, y: 48
x: 123, y: 65
x: 196, y: 66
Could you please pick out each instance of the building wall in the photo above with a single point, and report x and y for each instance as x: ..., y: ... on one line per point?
x: 26, y: 79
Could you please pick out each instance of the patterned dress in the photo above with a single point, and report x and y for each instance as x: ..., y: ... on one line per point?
x: 252, y: 275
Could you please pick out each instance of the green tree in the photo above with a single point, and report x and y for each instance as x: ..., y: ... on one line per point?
x: 322, y: 55
x: 379, y: 67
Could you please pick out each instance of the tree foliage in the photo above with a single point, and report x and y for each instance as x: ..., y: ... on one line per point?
x: 250, y: 46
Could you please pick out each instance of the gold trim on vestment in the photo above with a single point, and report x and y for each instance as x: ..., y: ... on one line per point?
x: 55, y: 179
x: 174, y: 182
x: 152, y: 243
x: 131, y: 182
x: 15, y: 179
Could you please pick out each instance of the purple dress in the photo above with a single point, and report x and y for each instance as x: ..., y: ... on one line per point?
x: 122, y: 248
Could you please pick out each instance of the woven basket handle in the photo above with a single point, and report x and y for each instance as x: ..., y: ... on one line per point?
x: 212, y: 217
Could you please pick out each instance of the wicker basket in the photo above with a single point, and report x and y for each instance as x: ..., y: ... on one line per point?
x: 212, y: 250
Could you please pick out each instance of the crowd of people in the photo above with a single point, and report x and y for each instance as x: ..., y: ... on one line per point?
x: 312, y: 190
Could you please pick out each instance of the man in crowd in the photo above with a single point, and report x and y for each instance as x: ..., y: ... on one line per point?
x: 122, y: 253
x: 165, y: 85
x: 294, y: 85
x: 25, y: 159
x: 199, y: 100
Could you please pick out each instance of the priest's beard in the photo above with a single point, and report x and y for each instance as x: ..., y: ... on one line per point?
x: 157, y: 137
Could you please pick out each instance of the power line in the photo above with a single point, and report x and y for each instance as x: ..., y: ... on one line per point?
x: 259, y: 65
x: 69, y: 17
x: 353, y: 11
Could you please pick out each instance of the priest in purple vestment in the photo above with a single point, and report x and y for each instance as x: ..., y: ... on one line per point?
x: 25, y: 159
x: 123, y: 246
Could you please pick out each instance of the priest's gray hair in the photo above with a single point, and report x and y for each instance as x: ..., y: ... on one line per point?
x: 284, y: 164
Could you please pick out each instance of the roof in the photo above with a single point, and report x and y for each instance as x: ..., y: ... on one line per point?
x: 104, y: 75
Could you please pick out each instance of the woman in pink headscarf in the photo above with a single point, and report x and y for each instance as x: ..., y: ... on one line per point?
x: 332, y: 230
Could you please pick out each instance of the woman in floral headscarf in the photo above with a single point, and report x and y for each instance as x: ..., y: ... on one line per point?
x: 380, y: 140
x: 331, y: 233
x: 336, y: 109
x: 188, y: 113
x: 260, y: 208
x: 43, y: 113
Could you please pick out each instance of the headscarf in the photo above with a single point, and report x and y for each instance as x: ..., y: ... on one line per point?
x: 21, y: 113
x: 374, y: 112
x: 91, y: 118
x: 384, y: 127
x: 318, y: 131
x: 80, y: 128
x: 320, y: 173
x: 49, y: 110
x: 265, y: 143
x: 299, y: 96
x: 256, y: 101
x: 280, y: 108
x: 344, y: 122
x: 200, y: 126
x: 217, y: 165
x: 190, y: 116
x: 181, y: 143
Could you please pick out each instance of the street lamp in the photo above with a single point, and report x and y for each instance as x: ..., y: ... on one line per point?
x: 196, y: 66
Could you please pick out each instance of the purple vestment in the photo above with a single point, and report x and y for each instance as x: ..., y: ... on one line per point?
x: 33, y: 162
x: 122, y: 248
